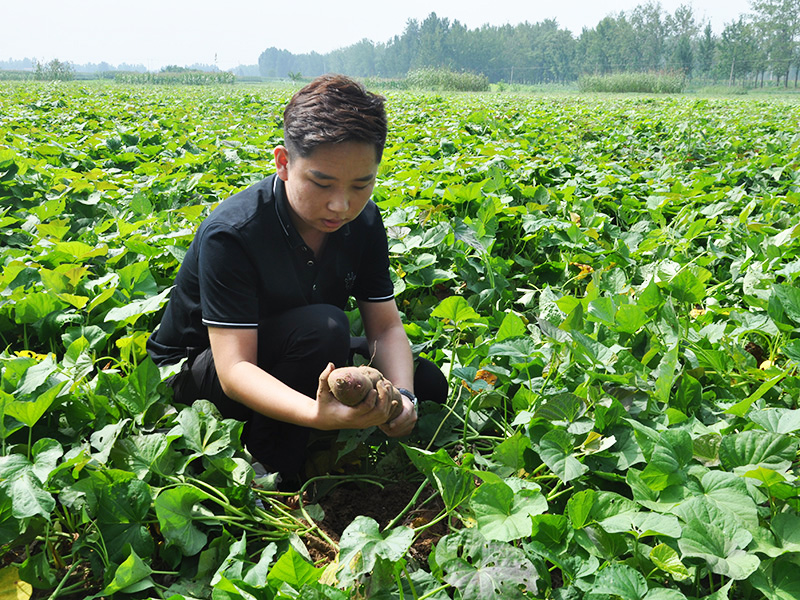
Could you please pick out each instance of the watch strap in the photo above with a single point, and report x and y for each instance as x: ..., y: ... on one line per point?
x: 410, y: 395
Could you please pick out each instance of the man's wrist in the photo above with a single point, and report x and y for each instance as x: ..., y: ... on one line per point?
x: 410, y: 395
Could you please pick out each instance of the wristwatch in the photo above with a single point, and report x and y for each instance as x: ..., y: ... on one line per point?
x: 410, y: 395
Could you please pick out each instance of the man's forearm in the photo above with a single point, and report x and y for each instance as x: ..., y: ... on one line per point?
x: 393, y: 357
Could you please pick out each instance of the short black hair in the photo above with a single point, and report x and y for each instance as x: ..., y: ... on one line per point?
x: 333, y: 109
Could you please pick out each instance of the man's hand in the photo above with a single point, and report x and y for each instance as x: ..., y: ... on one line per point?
x: 373, y: 410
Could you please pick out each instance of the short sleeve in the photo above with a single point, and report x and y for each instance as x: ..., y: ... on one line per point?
x: 228, y: 281
x: 373, y: 283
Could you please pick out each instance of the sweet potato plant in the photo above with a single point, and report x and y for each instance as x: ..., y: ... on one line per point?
x: 611, y: 286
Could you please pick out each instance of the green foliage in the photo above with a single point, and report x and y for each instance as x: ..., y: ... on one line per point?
x: 175, y: 76
x: 444, y: 80
x: 610, y: 285
x: 55, y: 70
x: 12, y: 75
x: 643, y: 83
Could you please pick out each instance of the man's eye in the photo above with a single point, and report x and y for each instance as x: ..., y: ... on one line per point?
x: 319, y: 185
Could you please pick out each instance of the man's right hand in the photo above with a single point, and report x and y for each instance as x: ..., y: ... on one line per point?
x: 373, y: 410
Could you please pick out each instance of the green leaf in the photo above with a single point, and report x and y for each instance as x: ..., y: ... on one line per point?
x: 128, y: 314
x: 749, y: 449
x: 552, y: 531
x: 455, y: 309
x: 602, y: 309
x: 579, y: 507
x: 503, y: 514
x: 484, y: 569
x: 789, y: 297
x: 257, y: 574
x: 293, y: 569
x: 664, y: 594
x: 642, y: 524
x: 131, y: 576
x: 688, y: 286
x: 664, y: 374
x: 792, y: 350
x: 511, y: 452
x: 556, y: 450
x: 689, y: 396
x: 231, y: 568
x: 362, y: 543
x: 561, y: 409
x: 511, y: 327
x: 667, y: 464
x: 454, y: 482
x: 175, y: 509
x: 740, y: 408
x: 30, y: 411
x: 724, y: 554
x: 19, y: 482
x: 722, y: 499
x: 141, y: 387
x: 629, y: 318
x: 777, y: 420
x: 205, y: 434
x: 779, y: 581
x: 622, y: 581
x: 668, y: 560
x: 37, y: 570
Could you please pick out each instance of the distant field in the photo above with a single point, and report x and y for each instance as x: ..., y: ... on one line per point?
x: 611, y: 283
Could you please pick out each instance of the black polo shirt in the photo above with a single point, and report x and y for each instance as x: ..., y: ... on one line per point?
x: 247, y: 262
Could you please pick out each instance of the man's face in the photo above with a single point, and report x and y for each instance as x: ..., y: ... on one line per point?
x: 328, y: 188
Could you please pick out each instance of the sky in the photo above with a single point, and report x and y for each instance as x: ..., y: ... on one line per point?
x: 228, y: 33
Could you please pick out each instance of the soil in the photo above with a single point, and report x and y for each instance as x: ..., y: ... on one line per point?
x: 343, y: 504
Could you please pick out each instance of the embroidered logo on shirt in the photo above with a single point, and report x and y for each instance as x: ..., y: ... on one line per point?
x: 349, y: 280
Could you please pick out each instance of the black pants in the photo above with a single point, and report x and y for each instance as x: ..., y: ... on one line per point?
x: 300, y: 344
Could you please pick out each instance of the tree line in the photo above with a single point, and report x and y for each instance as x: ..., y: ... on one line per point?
x: 763, y: 44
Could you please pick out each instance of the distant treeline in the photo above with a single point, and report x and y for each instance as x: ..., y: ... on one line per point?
x: 765, y: 44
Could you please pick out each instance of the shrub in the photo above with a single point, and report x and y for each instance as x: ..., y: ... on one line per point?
x: 661, y: 82
x: 444, y: 80
x: 15, y: 75
x: 176, y: 78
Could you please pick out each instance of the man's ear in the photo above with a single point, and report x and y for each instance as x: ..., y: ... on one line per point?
x: 281, y: 162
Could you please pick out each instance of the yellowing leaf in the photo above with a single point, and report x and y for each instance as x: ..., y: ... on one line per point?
x: 585, y: 270
x: 12, y: 587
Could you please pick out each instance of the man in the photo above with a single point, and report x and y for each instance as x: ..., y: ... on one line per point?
x: 257, y: 308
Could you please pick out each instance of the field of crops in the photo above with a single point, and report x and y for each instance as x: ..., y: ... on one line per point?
x: 611, y: 285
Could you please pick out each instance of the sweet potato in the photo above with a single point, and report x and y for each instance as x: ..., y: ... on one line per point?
x: 350, y: 386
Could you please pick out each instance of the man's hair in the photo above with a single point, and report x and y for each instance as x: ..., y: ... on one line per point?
x: 330, y: 110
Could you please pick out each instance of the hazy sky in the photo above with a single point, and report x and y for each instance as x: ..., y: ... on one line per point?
x: 160, y: 32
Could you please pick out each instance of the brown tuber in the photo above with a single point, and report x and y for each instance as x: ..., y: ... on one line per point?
x: 350, y: 386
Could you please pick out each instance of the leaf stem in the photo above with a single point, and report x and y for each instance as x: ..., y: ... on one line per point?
x: 408, y: 506
x: 434, y: 591
x: 63, y: 581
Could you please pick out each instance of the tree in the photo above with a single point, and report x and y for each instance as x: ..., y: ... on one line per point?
x: 55, y: 70
x: 608, y: 47
x: 683, y: 56
x: 738, y: 51
x: 778, y: 22
x: 706, y: 47
x: 649, y: 33
x: 433, y: 48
